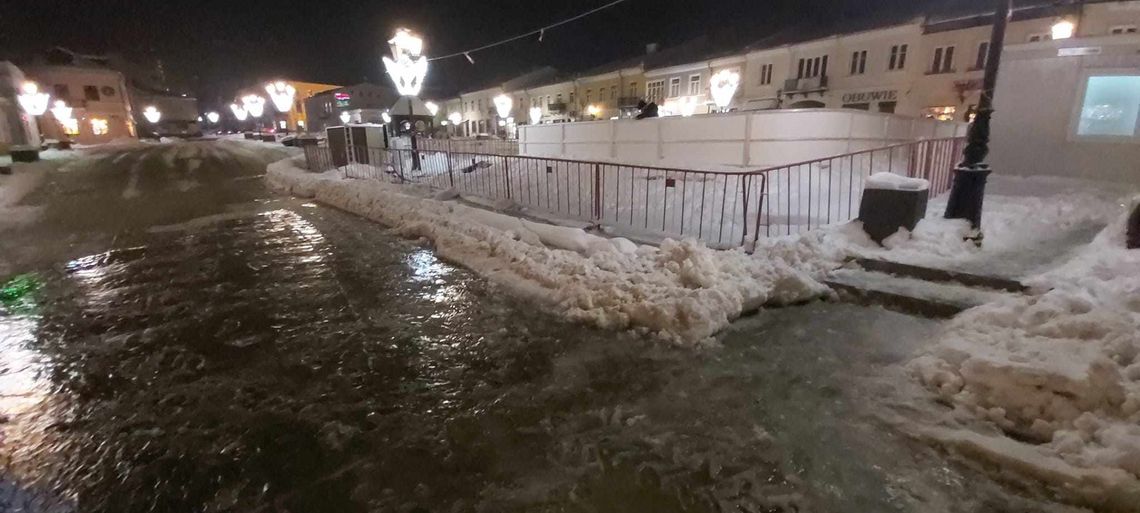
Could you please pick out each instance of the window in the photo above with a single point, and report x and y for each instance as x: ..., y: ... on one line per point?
x: 91, y: 93
x: 940, y: 113
x: 62, y: 92
x: 898, y: 57
x: 633, y: 89
x: 589, y: 95
x: 859, y: 63
x: 888, y: 107
x: 613, y: 92
x: 694, y: 85
x: 107, y: 91
x: 70, y: 126
x: 1041, y: 36
x: 571, y: 96
x: 766, y: 74
x: 1122, y: 29
x: 814, y: 67
x: 983, y: 55
x: 99, y: 126
x: 943, y: 60
x: 1111, y: 107
x: 674, y: 87
x: 655, y: 90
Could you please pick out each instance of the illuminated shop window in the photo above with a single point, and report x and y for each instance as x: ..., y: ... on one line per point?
x: 1110, y: 107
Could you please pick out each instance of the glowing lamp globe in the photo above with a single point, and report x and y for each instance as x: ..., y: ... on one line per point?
x: 503, y: 104
x: 688, y: 107
x: 502, y: 122
x: 254, y: 105
x: 32, y: 100
x: 386, y: 117
x: 61, y: 111
x: 431, y: 107
x: 455, y: 118
x: 152, y: 114
x: 345, y: 117
x: 1063, y: 29
x: 535, y: 115
x: 212, y: 117
x: 281, y: 94
x: 239, y: 112
x: 723, y: 87
x: 443, y: 123
x: 408, y: 66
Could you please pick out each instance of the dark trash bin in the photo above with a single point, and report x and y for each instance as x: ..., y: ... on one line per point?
x: 25, y: 154
x: 885, y: 210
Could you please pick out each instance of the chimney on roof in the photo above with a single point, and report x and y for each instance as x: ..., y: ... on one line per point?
x: 651, y: 48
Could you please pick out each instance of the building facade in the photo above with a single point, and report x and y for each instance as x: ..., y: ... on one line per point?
x: 17, y: 128
x: 365, y: 103
x: 99, y: 98
x: 929, y: 66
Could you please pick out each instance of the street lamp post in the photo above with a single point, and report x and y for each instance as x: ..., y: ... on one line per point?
x: 969, y: 188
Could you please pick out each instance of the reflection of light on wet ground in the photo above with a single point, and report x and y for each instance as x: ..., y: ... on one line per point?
x: 429, y: 269
x: 287, y: 220
x: 20, y: 386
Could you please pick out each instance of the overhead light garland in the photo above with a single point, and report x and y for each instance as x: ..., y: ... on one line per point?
x: 541, y: 32
x: 239, y: 112
x: 281, y: 94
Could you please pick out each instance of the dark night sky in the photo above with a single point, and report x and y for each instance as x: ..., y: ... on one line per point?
x: 216, y: 46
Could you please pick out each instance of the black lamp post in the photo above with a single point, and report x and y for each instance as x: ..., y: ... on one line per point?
x: 969, y: 187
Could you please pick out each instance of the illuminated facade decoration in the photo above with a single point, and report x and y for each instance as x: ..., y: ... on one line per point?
x: 239, y: 112
x: 408, y: 67
x: 687, y: 106
x: 723, y: 86
x: 342, y: 99
x: 345, y: 117
x: 152, y: 114
x: 503, y: 104
x: 32, y: 100
x: 281, y: 94
x: 254, y: 105
x: 70, y: 126
x: 1063, y: 29
x: 455, y: 118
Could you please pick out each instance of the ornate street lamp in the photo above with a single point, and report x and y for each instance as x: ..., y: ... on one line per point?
x: 239, y: 112
x: 723, y: 86
x: 281, y: 94
x: 152, y: 114
x: 32, y: 100
x: 969, y: 187
x: 212, y: 117
x: 345, y: 117
x: 253, y: 104
x: 408, y: 67
x: 61, y: 111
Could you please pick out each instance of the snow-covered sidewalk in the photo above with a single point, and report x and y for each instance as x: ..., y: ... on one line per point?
x: 680, y: 291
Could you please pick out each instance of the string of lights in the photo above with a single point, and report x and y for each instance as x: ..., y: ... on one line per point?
x: 541, y: 32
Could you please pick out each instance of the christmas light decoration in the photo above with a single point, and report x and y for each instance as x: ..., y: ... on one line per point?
x: 431, y: 107
x: 688, y: 106
x: 503, y: 104
x: 281, y: 94
x: 408, y: 67
x: 152, y: 114
x: 32, y: 100
x: 535, y: 115
x: 239, y: 112
x: 1063, y: 29
x: 723, y: 87
x: 212, y: 117
x: 254, y: 105
x: 61, y: 111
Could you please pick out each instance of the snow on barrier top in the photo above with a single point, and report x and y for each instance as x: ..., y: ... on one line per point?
x: 892, y: 182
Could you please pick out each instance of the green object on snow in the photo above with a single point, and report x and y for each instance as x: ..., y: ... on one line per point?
x: 18, y: 289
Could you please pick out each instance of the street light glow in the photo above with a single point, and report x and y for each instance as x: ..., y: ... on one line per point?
x: 408, y: 66
x: 386, y: 117
x: 723, y: 86
x: 152, y: 114
x: 239, y: 112
x: 61, y: 111
x: 254, y: 105
x: 1063, y: 29
x: 503, y: 104
x: 212, y: 117
x: 344, y: 117
x: 431, y: 107
x: 535, y: 115
x: 281, y: 94
x: 32, y: 100
x: 455, y: 118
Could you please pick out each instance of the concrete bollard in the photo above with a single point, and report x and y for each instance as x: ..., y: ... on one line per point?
x: 891, y: 202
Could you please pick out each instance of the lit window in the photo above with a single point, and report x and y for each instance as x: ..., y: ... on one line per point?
x: 940, y: 113
x: 70, y: 126
x: 694, y: 85
x: 1111, y: 107
x: 282, y: 124
x: 300, y: 123
x: 100, y: 126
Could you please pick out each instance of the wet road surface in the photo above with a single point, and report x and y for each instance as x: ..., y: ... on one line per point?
x: 175, y: 338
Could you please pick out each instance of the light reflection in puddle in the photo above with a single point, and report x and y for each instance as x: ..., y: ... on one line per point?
x: 427, y: 268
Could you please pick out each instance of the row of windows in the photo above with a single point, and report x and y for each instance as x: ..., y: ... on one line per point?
x: 90, y: 92
x: 942, y: 62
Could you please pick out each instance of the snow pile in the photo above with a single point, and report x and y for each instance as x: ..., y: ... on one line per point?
x: 893, y: 182
x: 682, y: 291
x: 25, y: 178
x: 1059, y: 369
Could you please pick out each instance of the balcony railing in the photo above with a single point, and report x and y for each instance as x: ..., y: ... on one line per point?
x: 804, y: 85
x: 557, y: 107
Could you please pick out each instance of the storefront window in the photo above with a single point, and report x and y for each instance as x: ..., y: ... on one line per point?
x: 100, y: 127
x: 70, y: 126
x: 940, y: 113
x: 1111, y: 107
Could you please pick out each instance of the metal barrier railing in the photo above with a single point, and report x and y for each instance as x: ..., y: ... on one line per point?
x: 723, y: 209
x: 807, y: 195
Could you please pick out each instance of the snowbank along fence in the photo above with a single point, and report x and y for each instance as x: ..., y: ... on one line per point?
x: 721, y: 208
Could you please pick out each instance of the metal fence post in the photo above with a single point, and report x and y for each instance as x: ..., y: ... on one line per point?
x: 450, y: 167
